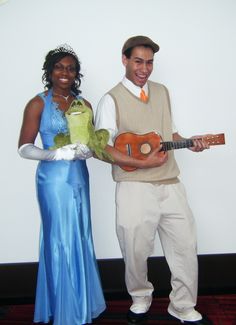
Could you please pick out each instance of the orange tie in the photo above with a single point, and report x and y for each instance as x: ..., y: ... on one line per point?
x: 143, y: 96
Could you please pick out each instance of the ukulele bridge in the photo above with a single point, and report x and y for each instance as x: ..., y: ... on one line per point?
x: 128, y: 149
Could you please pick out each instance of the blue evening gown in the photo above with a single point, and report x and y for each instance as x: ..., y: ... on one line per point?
x: 68, y: 286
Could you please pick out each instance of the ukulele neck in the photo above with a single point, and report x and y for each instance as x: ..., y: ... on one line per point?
x: 170, y: 145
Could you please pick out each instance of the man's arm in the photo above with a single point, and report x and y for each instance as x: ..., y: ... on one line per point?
x: 198, y: 140
x: 154, y: 159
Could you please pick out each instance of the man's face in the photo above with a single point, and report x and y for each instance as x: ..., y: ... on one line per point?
x: 139, y: 66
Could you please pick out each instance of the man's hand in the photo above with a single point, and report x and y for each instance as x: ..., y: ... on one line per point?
x: 156, y: 158
x: 199, y: 143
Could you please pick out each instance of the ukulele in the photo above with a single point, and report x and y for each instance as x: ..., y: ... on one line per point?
x: 140, y: 146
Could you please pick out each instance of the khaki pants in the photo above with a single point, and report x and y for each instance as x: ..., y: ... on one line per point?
x: 143, y: 209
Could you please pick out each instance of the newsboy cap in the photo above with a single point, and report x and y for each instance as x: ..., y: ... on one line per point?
x: 139, y: 41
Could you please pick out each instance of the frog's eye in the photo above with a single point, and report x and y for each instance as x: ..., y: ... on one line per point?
x: 75, y: 113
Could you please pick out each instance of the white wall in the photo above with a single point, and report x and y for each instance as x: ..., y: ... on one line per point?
x: 196, y: 62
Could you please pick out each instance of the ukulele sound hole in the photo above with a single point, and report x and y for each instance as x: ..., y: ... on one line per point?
x: 145, y: 148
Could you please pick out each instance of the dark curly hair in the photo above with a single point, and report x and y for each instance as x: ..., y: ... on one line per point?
x: 53, y: 57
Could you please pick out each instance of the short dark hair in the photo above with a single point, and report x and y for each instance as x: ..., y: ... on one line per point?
x: 53, y: 57
x: 128, y: 52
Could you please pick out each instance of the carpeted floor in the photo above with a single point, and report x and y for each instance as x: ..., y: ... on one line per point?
x: 221, y: 310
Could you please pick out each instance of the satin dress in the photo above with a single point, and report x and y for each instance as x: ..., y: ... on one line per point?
x: 68, y: 286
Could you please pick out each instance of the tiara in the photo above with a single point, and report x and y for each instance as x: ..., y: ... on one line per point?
x: 64, y: 48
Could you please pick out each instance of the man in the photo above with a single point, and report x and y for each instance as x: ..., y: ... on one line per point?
x: 150, y: 198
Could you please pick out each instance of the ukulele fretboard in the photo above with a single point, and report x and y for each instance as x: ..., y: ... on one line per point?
x: 170, y: 145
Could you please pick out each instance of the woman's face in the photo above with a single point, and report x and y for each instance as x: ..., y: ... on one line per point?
x: 64, y: 73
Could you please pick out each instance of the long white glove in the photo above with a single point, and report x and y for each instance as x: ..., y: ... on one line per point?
x: 68, y: 152
x: 82, y: 151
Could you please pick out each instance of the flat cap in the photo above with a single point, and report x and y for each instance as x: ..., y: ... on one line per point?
x: 139, y: 41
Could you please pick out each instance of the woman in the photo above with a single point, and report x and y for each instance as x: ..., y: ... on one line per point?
x: 68, y: 286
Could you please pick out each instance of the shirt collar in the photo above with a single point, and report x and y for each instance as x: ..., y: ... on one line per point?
x: 133, y: 88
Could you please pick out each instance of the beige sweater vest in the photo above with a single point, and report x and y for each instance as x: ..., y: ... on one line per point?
x: 137, y: 117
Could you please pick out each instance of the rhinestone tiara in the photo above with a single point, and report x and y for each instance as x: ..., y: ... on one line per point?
x: 64, y: 48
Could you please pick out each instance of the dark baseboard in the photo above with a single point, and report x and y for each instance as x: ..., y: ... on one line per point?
x: 217, y: 275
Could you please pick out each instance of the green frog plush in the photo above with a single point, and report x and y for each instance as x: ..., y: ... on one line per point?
x: 80, y: 125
